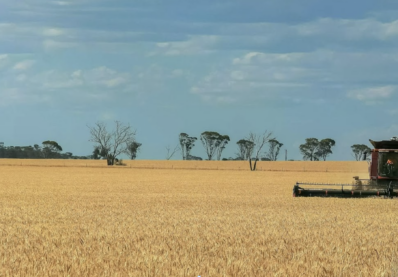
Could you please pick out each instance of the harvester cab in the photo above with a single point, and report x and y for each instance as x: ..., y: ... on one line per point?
x: 383, y: 177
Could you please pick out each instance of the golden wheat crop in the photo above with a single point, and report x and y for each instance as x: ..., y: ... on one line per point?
x: 304, y: 166
x: 94, y: 221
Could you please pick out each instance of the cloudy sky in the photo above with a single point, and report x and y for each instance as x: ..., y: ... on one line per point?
x: 300, y: 69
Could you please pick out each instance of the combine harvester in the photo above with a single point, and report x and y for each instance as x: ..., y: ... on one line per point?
x: 383, y: 173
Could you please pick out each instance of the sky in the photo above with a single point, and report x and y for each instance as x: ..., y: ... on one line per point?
x: 300, y: 69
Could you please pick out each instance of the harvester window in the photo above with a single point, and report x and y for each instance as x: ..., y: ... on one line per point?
x: 388, y: 165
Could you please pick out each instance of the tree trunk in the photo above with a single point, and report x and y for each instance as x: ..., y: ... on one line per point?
x: 250, y: 161
x: 110, y: 160
x: 255, y: 164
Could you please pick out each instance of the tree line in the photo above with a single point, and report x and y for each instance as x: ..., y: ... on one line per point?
x: 108, y: 145
x: 48, y: 150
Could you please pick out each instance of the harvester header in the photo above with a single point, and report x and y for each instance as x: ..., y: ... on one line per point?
x: 383, y: 177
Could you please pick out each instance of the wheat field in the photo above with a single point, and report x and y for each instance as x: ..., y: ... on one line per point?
x: 304, y: 166
x: 78, y: 219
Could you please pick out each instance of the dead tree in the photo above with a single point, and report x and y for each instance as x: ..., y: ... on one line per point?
x: 112, y: 143
x: 259, y: 141
x: 170, y: 153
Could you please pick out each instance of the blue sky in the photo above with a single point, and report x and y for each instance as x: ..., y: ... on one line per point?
x: 298, y: 68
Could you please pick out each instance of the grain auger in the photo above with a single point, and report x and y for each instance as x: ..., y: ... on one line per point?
x: 382, y: 182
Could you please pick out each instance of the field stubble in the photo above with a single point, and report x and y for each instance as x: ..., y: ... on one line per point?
x: 131, y: 222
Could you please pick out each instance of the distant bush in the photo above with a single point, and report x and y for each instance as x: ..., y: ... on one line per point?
x: 119, y: 162
x: 194, y: 158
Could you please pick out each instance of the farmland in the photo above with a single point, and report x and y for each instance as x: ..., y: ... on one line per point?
x: 176, y: 218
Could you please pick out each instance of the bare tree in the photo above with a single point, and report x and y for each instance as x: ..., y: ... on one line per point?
x: 259, y: 142
x: 170, y: 152
x: 114, y: 143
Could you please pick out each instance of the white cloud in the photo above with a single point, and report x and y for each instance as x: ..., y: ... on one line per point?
x: 163, y: 44
x: 89, y: 87
x: 54, y: 79
x: 267, y: 75
x: 77, y: 74
x: 267, y: 58
x: 349, y: 29
x: 16, y: 62
x: 50, y: 44
x: 372, y: 95
x: 21, y: 78
x: 336, y: 33
x: 178, y: 72
x: 193, y: 46
x: 51, y: 6
x: 53, y: 32
x: 24, y: 65
x: 3, y: 60
x: 115, y: 82
x: 93, y: 85
x: 247, y: 59
x: 256, y: 71
x: 100, y: 77
x: 12, y: 95
x: 107, y: 116
x: 61, y: 3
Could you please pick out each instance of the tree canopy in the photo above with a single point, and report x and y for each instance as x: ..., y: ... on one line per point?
x: 359, y: 151
x: 245, y: 149
x: 309, y: 149
x: 313, y: 149
x: 50, y: 148
x: 132, y: 149
x: 187, y: 143
x: 325, y: 148
x: 273, y: 151
x: 214, y: 143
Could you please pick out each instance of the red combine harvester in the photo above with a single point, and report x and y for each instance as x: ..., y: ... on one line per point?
x: 383, y: 173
